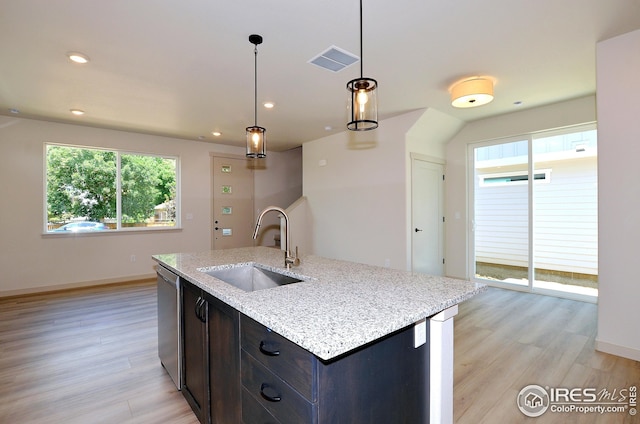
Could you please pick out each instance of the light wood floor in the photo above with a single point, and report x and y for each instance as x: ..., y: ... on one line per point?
x: 90, y: 356
x: 507, y: 340
x: 84, y: 357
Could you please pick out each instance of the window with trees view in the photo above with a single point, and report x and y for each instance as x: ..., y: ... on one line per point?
x: 92, y: 189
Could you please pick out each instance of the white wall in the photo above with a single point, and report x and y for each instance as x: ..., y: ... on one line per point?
x: 430, y: 134
x: 356, y: 201
x: 572, y: 112
x: 33, y: 262
x: 359, y: 202
x: 277, y: 183
x: 618, y: 67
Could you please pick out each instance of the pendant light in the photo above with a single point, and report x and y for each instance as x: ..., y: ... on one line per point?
x: 256, y: 137
x: 363, y: 102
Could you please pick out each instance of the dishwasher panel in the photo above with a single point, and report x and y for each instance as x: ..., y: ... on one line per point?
x: 169, y: 328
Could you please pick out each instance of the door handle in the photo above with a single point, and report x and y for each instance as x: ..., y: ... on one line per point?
x: 417, y: 230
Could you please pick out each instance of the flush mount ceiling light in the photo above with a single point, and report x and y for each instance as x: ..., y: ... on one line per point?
x: 256, y: 137
x: 78, y: 57
x: 363, y: 102
x: 77, y: 112
x: 472, y: 92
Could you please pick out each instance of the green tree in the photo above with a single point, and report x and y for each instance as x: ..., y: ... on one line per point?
x: 167, y: 187
x: 147, y: 181
x: 81, y: 183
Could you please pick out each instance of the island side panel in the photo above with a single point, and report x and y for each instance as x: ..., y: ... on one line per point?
x: 386, y: 382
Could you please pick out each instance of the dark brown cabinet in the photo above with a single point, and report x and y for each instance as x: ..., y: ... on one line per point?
x: 195, y: 366
x: 238, y: 371
x: 211, y: 364
x: 386, y: 381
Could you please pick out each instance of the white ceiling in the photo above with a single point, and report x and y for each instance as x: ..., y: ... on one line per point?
x: 185, y: 68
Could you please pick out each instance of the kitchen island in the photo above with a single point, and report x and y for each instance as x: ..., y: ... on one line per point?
x: 339, y: 312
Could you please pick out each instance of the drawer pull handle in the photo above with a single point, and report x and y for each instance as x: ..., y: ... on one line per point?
x: 266, y: 351
x: 271, y: 398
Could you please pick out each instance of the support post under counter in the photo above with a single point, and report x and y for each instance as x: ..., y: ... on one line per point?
x: 441, y: 366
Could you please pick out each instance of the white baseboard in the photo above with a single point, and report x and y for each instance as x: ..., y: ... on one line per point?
x: 70, y: 286
x: 613, y: 349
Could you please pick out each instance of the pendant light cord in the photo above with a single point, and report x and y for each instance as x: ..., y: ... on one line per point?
x: 255, y: 86
x: 361, y: 58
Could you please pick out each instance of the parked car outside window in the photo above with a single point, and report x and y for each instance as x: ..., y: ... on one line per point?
x: 76, y: 227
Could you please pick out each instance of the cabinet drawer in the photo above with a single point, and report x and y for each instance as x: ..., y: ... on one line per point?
x: 273, y: 394
x: 253, y: 412
x: 283, y: 357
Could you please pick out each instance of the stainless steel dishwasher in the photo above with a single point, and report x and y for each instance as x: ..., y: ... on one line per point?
x: 169, y: 346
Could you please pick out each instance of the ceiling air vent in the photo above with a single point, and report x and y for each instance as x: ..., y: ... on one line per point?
x: 334, y: 59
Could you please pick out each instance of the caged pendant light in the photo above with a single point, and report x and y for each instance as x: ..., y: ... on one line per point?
x: 256, y: 137
x: 363, y: 102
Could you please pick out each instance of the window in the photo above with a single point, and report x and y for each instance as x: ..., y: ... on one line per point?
x: 89, y: 189
x: 514, y: 178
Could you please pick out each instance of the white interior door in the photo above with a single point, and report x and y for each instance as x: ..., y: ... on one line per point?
x: 232, y: 203
x: 427, y: 209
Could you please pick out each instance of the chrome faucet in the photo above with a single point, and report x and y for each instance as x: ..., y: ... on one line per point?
x: 288, y: 259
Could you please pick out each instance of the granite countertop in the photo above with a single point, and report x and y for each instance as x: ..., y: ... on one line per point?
x: 339, y: 307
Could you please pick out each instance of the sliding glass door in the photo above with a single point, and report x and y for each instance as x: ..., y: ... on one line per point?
x: 501, y: 208
x: 534, y: 212
x: 565, y: 212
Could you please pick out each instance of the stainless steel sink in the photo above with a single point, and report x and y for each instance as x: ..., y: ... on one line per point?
x: 251, y: 277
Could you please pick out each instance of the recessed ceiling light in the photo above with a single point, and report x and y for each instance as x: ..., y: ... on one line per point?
x: 269, y: 105
x: 76, y: 112
x: 517, y: 103
x: 78, y: 57
x: 216, y: 133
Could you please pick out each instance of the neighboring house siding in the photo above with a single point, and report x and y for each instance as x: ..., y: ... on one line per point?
x: 501, y: 222
x: 565, y: 219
